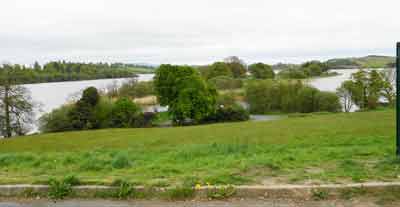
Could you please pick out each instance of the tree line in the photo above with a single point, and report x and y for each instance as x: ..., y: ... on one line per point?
x: 59, y: 71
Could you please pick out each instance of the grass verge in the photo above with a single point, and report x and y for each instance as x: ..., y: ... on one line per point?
x: 331, y: 148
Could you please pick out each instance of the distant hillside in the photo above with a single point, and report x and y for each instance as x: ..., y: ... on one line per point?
x: 371, y: 61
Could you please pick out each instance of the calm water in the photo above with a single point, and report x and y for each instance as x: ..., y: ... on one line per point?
x: 53, y: 95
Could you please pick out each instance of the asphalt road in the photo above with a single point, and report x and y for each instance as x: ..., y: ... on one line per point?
x: 237, y: 203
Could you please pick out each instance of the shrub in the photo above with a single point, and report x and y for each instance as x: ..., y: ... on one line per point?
x: 328, y: 101
x: 219, y: 69
x: 232, y: 113
x: 223, y: 192
x: 292, y: 74
x: 71, y: 180
x: 124, y: 113
x: 225, y: 82
x: 57, y: 120
x: 102, y: 112
x: 261, y: 71
x: 135, y: 89
x: 289, y: 96
x: 59, y: 189
x: 229, y: 114
x: 145, y: 119
x: 307, y: 99
x: 226, y: 100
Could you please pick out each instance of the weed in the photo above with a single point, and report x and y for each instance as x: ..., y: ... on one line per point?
x: 223, y: 192
x: 319, y: 195
x: 59, y: 189
x: 180, y: 193
x: 125, y: 191
x: 72, y: 180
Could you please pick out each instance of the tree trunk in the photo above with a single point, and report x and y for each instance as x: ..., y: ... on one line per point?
x: 7, y: 111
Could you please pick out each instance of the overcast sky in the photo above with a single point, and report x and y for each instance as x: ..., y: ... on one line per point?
x: 195, y: 32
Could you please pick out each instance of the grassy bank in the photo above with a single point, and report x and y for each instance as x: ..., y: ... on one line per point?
x: 329, y: 148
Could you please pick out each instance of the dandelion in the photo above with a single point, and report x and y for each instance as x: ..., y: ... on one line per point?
x: 198, y: 186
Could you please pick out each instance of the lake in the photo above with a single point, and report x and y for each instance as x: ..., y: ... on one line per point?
x: 53, y: 95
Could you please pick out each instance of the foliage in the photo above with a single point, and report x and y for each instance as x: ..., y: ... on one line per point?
x: 181, y: 192
x: 226, y: 100
x: 186, y: 94
x: 132, y: 89
x: 231, y: 67
x: 328, y: 101
x: 16, y: 105
x: 57, y: 120
x: 196, y: 100
x: 306, y: 70
x: 124, y: 113
x: 222, y: 192
x: 288, y: 96
x: 320, y: 195
x: 229, y: 113
x: 69, y: 71
x: 167, y: 81
x: 225, y: 83
x: 82, y: 116
x: 59, y: 189
x: 345, y: 93
x: 261, y: 71
x: 218, y: 69
x: 105, y: 113
x: 366, y: 88
x: 292, y: 74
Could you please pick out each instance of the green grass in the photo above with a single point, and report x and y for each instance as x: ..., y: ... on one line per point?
x: 329, y: 148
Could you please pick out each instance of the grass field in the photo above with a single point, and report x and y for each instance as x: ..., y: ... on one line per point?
x: 330, y: 148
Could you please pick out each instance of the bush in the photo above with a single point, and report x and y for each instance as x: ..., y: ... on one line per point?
x: 307, y: 99
x: 232, y: 113
x: 292, y: 74
x: 145, y: 119
x: 57, y: 120
x: 124, y: 113
x: 225, y: 82
x: 289, y: 96
x: 229, y: 114
x: 328, y: 101
x: 135, y: 89
x: 226, y: 100
x: 102, y: 112
x: 261, y: 71
x: 218, y: 69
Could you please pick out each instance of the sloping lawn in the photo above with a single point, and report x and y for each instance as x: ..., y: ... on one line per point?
x: 330, y: 148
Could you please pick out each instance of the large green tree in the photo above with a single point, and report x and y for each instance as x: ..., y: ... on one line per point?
x: 218, y: 69
x: 186, y: 94
x: 261, y: 71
